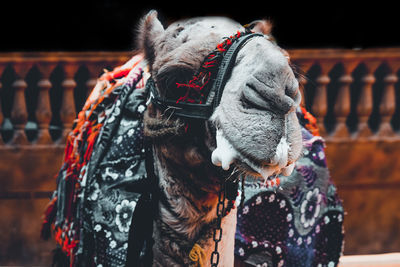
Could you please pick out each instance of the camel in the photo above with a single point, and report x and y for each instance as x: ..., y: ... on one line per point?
x: 195, y: 163
x: 254, y: 132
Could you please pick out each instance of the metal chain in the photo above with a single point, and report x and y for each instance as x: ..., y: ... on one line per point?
x: 217, y: 235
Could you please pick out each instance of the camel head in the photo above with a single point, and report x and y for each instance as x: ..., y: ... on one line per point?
x: 255, y: 124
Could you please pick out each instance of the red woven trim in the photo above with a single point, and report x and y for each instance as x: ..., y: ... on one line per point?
x: 197, y: 87
x: 311, y: 126
x: 65, y: 243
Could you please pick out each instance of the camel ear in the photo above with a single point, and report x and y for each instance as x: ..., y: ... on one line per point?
x: 263, y: 26
x: 150, y: 29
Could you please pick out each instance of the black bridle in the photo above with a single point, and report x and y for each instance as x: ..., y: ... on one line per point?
x: 202, y: 111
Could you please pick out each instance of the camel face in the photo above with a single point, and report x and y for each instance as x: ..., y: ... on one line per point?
x: 256, y: 120
x: 257, y: 128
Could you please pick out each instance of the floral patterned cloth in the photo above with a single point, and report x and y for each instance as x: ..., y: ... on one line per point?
x: 299, y: 223
x: 109, y: 205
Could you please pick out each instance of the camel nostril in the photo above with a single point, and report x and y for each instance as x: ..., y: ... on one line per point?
x: 292, y: 92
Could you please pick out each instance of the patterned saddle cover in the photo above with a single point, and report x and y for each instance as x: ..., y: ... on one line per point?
x: 299, y: 224
x: 91, y: 212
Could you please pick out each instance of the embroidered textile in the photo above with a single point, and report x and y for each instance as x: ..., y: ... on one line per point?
x: 90, y: 209
x: 299, y: 224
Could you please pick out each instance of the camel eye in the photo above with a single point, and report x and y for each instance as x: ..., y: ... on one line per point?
x: 167, y: 82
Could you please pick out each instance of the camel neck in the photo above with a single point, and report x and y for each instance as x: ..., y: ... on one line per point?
x: 188, y: 197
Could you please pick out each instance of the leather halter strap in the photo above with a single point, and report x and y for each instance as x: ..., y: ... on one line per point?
x: 202, y: 111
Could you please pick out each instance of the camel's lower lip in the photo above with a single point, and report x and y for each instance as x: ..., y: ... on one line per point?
x: 267, y: 171
x: 225, y: 154
x: 275, y: 170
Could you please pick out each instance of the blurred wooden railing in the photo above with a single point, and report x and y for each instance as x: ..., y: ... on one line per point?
x: 48, y: 84
x: 352, y: 92
x: 354, y: 95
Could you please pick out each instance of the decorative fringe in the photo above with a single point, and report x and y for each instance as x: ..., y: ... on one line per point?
x: 311, y: 124
x: 48, y: 218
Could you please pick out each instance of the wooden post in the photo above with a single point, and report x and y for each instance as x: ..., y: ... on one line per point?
x: 67, y: 112
x: 19, y: 113
x: 95, y: 69
x: 365, y: 102
x: 320, y: 104
x: 388, y: 102
x: 342, y: 104
x: 43, y: 110
x: 305, y: 66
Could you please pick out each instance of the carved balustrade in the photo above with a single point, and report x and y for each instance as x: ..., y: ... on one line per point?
x: 52, y: 79
x: 354, y: 95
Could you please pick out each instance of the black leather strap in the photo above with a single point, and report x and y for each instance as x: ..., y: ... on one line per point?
x: 226, y: 67
x: 187, y: 110
x: 202, y: 111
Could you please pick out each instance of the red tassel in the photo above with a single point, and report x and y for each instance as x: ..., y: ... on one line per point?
x: 48, y: 218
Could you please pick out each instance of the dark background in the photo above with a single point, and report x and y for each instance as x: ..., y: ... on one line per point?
x: 109, y: 25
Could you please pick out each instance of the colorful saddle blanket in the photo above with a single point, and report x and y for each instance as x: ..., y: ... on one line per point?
x: 298, y: 224
x: 91, y: 212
